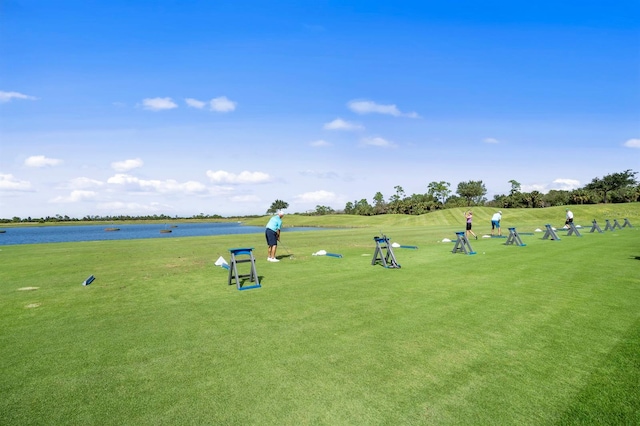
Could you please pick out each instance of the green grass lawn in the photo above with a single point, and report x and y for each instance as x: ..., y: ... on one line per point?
x: 548, y: 333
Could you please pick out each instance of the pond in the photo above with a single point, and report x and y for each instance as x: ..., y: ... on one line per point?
x: 72, y: 233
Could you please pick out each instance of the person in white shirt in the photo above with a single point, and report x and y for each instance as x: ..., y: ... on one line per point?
x: 495, y: 222
x: 569, y: 218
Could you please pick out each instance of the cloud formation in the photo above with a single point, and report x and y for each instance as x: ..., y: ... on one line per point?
x: 490, y: 140
x: 8, y: 182
x: 316, y: 197
x: 221, y: 176
x: 126, y: 165
x: 84, y: 182
x: 377, y: 141
x: 540, y: 187
x: 370, y: 107
x: 76, y: 196
x: 154, y: 185
x: 340, y: 124
x: 222, y: 104
x: 158, y: 104
x: 9, y: 96
x: 194, y: 103
x: 41, y: 161
x: 566, y: 184
x: 319, y: 143
x: 632, y: 143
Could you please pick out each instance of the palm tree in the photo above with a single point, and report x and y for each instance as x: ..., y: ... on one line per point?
x: 536, y: 199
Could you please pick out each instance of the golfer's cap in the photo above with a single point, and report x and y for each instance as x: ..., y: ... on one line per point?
x: 280, y: 213
x: 500, y: 211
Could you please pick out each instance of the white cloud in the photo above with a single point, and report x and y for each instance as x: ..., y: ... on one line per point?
x: 126, y: 165
x: 490, y: 140
x: 191, y: 187
x: 8, y: 182
x: 632, y: 143
x: 158, y: 104
x: 540, y: 187
x: 194, y: 103
x: 558, y: 184
x: 565, y: 184
x: 41, y: 161
x: 377, y: 141
x: 319, y: 143
x: 161, y: 186
x: 76, y: 196
x: 122, y: 179
x: 222, y: 104
x: 219, y: 190
x: 8, y: 96
x: 316, y: 197
x: 340, y: 124
x: 221, y: 176
x: 368, y: 107
x: 84, y: 182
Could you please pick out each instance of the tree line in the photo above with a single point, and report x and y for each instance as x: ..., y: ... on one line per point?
x: 96, y: 218
x: 613, y: 188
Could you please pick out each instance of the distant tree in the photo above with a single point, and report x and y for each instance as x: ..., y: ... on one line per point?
x: 517, y: 199
x: 472, y: 191
x: 612, y: 182
x: 630, y: 194
x: 420, y: 204
x: 348, y: 208
x: 498, y: 201
x: 399, y: 195
x: 439, y: 190
x: 277, y: 205
x: 379, y: 206
x: 395, y: 200
x: 556, y: 197
x: 515, y: 187
x: 455, y: 201
x: 581, y: 196
x: 532, y: 199
x: 363, y: 208
x: 322, y: 210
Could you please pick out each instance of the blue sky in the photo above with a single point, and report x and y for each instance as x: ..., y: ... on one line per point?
x: 222, y: 107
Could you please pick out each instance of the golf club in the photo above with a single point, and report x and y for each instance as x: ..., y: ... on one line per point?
x: 287, y: 250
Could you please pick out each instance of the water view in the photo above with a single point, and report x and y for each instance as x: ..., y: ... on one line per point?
x: 72, y: 233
